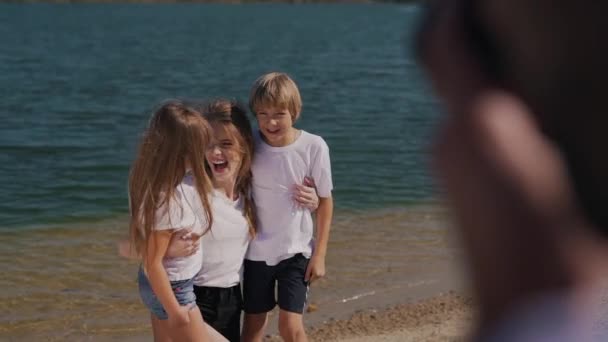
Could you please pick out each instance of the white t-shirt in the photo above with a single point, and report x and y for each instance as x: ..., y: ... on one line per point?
x: 184, y: 211
x: 284, y: 228
x: 225, y: 245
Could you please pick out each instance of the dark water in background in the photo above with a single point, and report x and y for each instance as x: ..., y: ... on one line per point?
x: 77, y: 84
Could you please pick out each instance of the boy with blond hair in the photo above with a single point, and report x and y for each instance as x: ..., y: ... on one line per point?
x: 284, y: 251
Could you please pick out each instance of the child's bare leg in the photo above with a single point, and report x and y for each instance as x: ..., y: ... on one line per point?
x: 291, y: 327
x: 197, y: 330
x: 160, y: 329
x: 254, y: 326
x: 214, y: 335
x: 202, y: 330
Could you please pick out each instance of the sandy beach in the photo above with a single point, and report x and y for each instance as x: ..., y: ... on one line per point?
x: 445, y: 317
x: 405, y: 262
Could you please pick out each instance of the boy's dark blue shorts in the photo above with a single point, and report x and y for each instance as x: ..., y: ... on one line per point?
x: 259, y: 285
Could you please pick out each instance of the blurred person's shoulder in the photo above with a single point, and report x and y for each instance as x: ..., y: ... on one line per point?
x: 555, y: 317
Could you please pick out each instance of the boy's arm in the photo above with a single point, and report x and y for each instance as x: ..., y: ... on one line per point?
x: 324, y: 214
x: 157, y: 247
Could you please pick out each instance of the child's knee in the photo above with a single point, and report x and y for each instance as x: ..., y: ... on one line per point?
x: 290, y: 326
x: 291, y: 332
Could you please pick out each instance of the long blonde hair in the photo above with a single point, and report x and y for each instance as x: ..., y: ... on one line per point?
x: 233, y: 118
x: 176, y: 136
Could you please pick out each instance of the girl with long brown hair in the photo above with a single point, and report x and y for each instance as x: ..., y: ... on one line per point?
x: 228, y: 162
x: 168, y: 187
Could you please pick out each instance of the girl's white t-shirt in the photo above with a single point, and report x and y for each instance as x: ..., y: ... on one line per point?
x: 184, y: 211
x: 225, y: 244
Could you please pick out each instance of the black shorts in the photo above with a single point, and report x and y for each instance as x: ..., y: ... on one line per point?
x: 221, y: 308
x: 259, y: 285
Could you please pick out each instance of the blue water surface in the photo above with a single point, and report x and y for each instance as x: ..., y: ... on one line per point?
x: 79, y: 81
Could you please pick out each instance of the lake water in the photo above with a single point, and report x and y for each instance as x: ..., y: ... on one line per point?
x: 78, y: 83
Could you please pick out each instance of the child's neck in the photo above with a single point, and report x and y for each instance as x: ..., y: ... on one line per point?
x: 291, y: 136
x: 227, y: 188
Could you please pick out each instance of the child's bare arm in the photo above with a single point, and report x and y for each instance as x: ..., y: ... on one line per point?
x: 316, y: 266
x: 183, y: 243
x: 126, y: 251
x: 306, y: 194
x: 157, y: 247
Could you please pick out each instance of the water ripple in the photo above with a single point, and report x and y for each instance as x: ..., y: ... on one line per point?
x: 77, y: 94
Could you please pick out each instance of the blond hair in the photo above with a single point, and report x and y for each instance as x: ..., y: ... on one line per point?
x: 176, y: 136
x: 276, y: 90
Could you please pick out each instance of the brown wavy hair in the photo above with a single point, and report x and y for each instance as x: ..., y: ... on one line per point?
x: 233, y: 118
x: 176, y: 136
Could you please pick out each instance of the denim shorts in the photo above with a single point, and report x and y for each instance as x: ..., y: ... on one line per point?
x: 183, y: 290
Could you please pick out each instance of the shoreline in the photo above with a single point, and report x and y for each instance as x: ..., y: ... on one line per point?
x: 446, y: 316
x: 407, y: 258
x: 436, y: 303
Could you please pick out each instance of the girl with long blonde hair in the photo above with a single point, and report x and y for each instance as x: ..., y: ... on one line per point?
x: 168, y: 187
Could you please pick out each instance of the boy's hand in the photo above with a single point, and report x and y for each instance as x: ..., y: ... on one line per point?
x: 306, y: 194
x: 315, y: 269
x: 180, y: 317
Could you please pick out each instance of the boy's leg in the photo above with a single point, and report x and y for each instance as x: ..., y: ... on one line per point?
x: 254, y: 326
x: 293, y: 292
x: 258, y: 296
x: 291, y: 327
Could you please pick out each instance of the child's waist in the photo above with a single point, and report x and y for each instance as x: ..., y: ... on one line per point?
x: 274, y: 251
x: 183, y: 268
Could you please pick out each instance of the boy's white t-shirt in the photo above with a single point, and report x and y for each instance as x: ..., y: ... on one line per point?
x: 225, y: 244
x: 184, y: 211
x: 284, y: 228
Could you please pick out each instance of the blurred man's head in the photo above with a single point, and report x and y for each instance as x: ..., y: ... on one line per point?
x: 554, y: 54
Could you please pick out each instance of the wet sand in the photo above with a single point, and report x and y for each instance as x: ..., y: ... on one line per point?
x: 68, y: 283
x: 445, y: 317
